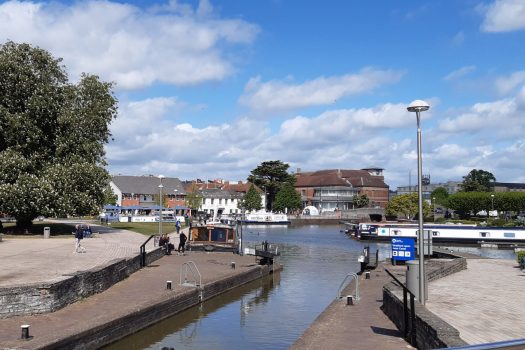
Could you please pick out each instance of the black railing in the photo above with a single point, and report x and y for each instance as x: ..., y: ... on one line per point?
x: 143, y: 251
x: 409, y: 332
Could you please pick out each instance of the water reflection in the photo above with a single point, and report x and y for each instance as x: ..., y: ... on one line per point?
x: 273, y: 312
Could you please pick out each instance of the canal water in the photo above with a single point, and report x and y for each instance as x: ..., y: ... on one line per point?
x: 273, y: 312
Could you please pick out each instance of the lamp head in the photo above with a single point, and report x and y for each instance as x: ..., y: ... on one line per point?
x: 418, y: 106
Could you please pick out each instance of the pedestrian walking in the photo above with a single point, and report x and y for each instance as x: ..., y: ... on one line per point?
x: 182, y: 242
x: 177, y: 226
x: 79, y: 235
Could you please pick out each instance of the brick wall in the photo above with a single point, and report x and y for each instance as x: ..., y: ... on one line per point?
x: 47, y: 297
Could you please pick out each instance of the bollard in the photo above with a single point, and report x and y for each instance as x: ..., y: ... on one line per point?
x: 349, y: 300
x: 233, y: 265
x: 25, y: 331
x: 367, y: 275
x: 168, y: 284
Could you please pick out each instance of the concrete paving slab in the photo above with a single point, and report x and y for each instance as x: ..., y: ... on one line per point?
x: 485, y: 302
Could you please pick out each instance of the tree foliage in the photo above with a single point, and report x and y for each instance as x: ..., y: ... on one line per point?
x: 477, y: 181
x: 287, y: 199
x: 406, y: 205
x: 52, y: 136
x: 252, y: 200
x: 360, y: 200
x: 440, y: 194
x: 474, y: 202
x: 270, y: 176
x: 193, y: 198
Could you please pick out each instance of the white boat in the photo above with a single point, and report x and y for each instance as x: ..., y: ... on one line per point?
x: 446, y: 233
x: 265, y: 218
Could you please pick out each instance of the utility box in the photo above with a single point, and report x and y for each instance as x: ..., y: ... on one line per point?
x: 412, y: 279
x: 47, y: 232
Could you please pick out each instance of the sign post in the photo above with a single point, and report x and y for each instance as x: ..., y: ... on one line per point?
x: 403, y: 249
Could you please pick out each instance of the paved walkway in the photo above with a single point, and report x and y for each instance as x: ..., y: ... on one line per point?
x: 485, y: 303
x: 33, y: 260
x: 360, y: 326
x: 140, y: 291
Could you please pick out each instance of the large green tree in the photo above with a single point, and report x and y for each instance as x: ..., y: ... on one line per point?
x: 477, y: 181
x: 270, y: 176
x: 252, y: 200
x: 287, y: 199
x: 52, y: 136
x: 406, y: 205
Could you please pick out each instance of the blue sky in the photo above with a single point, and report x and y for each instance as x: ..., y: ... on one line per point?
x: 210, y: 89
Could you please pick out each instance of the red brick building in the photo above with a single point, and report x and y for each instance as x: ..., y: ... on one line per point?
x: 336, y: 188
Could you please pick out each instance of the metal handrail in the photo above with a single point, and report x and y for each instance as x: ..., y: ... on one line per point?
x: 410, y: 334
x: 343, y: 285
x: 143, y: 251
x: 190, y: 266
x: 506, y: 345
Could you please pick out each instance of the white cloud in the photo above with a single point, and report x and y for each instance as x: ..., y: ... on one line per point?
x: 458, y: 73
x: 173, y: 44
x: 504, y: 16
x: 283, y: 95
x: 506, y: 84
x: 499, y: 118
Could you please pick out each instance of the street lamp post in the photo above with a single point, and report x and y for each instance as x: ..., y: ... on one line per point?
x: 434, y: 208
x: 160, y: 204
x: 492, y: 199
x: 419, y: 106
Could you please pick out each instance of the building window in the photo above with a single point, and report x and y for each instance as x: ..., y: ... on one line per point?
x: 212, y: 200
x: 509, y: 235
x: 220, y: 200
x: 145, y: 198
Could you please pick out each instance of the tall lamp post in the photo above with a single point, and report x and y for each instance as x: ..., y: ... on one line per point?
x: 492, y: 199
x: 419, y: 106
x: 434, y: 208
x: 160, y: 204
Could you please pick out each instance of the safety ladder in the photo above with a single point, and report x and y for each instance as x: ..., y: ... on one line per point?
x: 190, y: 275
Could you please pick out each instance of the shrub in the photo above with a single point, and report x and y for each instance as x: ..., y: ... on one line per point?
x: 520, y: 255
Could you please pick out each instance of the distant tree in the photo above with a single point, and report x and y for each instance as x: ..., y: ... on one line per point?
x: 193, y: 198
x: 252, y: 200
x: 406, y: 205
x: 287, y: 199
x: 270, y: 176
x: 109, y: 196
x: 52, y: 137
x: 440, y: 194
x: 477, y: 181
x: 360, y: 201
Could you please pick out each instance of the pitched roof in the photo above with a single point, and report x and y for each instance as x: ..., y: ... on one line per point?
x: 147, y: 184
x: 219, y: 193
x: 339, y: 177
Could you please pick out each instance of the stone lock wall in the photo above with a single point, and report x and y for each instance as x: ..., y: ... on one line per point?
x: 47, y: 297
x: 431, y: 331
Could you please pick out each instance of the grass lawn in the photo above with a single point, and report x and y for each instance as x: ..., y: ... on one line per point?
x: 146, y: 228
x: 57, y: 229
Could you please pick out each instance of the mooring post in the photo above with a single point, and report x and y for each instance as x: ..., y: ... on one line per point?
x: 349, y: 300
x: 233, y: 265
x: 168, y: 284
x: 367, y: 275
x: 25, y: 331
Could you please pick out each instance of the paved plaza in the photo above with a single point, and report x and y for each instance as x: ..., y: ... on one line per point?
x: 484, y: 303
x: 28, y: 260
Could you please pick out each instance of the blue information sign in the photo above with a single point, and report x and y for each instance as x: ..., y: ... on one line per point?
x: 403, y: 248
